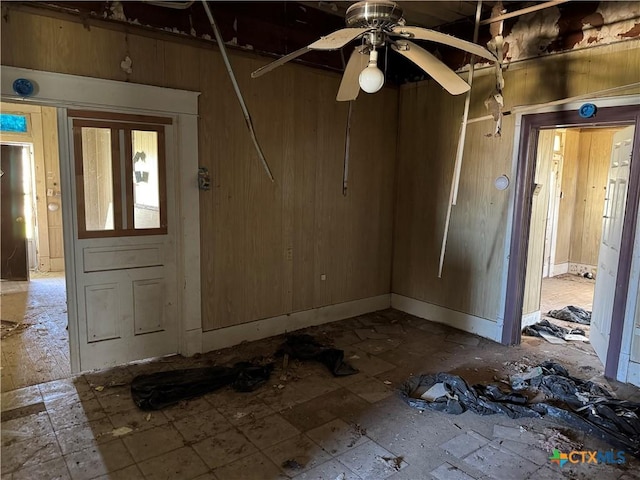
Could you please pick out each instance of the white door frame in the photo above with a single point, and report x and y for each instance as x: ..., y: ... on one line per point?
x: 64, y: 91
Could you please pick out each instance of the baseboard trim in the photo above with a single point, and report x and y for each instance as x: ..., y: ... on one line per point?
x: 560, y: 269
x: 530, y: 318
x: 56, y: 265
x: 582, y: 268
x: 435, y: 313
x: 268, y: 327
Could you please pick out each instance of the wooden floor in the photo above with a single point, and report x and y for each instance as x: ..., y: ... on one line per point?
x: 37, y: 350
x: 566, y: 289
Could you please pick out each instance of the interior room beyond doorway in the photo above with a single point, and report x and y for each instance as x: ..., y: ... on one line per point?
x: 567, y: 219
x: 35, y: 339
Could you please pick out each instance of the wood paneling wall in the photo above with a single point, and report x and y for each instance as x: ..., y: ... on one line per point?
x: 570, y: 165
x: 264, y: 245
x: 591, y: 185
x: 52, y: 173
x: 584, y: 183
x: 539, y: 214
x: 474, y: 268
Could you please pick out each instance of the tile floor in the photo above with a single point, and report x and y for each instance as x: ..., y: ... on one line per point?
x: 304, y: 424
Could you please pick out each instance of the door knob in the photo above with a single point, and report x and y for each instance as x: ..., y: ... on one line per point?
x: 20, y: 220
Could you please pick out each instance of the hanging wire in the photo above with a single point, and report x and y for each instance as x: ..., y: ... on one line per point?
x: 236, y: 87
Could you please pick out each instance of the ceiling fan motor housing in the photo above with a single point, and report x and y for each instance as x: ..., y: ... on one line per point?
x: 378, y: 14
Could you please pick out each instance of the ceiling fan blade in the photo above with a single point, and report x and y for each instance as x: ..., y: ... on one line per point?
x: 282, y: 60
x: 350, y: 86
x: 442, y: 74
x: 338, y: 39
x: 419, y: 33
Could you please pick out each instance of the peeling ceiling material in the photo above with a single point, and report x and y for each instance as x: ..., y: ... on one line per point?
x: 620, y: 20
x: 532, y: 34
x: 572, y: 25
x: 279, y: 28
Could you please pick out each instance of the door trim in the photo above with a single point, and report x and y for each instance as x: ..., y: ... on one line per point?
x: 71, y: 91
x: 624, y: 110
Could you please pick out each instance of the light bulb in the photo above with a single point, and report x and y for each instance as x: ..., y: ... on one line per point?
x: 371, y: 78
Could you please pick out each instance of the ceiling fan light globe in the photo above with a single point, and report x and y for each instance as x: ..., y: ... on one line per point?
x: 371, y: 79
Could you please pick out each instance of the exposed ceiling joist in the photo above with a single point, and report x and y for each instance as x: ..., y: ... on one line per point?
x: 523, y: 11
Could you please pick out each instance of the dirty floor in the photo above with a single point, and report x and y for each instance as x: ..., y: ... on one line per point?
x: 35, y: 341
x: 304, y: 424
x: 564, y: 290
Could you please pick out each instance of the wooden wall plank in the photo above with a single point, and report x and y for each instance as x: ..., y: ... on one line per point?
x: 586, y: 138
x: 599, y: 160
x: 568, y: 200
x: 304, y: 160
x: 52, y: 173
x: 539, y: 212
x: 595, y: 153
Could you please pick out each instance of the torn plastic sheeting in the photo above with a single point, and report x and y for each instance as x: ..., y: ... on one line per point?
x: 573, y: 314
x: 519, y: 380
x: 461, y: 397
x: 161, y: 389
x: 556, y: 382
x: 548, y: 327
x: 305, y: 347
x: 582, y: 404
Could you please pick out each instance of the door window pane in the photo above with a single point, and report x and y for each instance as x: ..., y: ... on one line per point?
x: 13, y: 123
x: 97, y: 172
x: 146, y: 184
x: 120, y: 175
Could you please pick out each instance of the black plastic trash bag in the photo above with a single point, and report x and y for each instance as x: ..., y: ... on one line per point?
x: 483, y: 400
x: 548, y: 327
x: 573, y: 314
x: 305, y: 347
x: 158, y: 390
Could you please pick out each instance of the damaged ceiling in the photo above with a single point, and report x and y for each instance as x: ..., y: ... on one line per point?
x: 278, y: 28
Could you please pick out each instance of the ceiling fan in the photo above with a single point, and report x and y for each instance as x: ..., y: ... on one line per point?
x: 379, y: 23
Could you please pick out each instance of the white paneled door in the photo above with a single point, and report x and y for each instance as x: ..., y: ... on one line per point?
x: 125, y: 246
x: 613, y: 221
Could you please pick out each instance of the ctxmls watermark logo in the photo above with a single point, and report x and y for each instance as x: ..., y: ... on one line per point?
x: 610, y: 457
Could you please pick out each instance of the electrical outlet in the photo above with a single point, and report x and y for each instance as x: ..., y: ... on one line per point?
x: 49, y: 192
x: 323, y: 277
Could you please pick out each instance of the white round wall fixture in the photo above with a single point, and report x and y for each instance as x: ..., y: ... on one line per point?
x: 53, y: 207
x: 502, y: 182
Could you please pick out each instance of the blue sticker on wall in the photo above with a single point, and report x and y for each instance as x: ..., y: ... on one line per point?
x: 587, y: 110
x: 23, y: 87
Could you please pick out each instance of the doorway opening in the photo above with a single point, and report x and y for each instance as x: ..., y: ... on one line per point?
x: 573, y: 168
x: 33, y: 298
x: 615, y: 281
